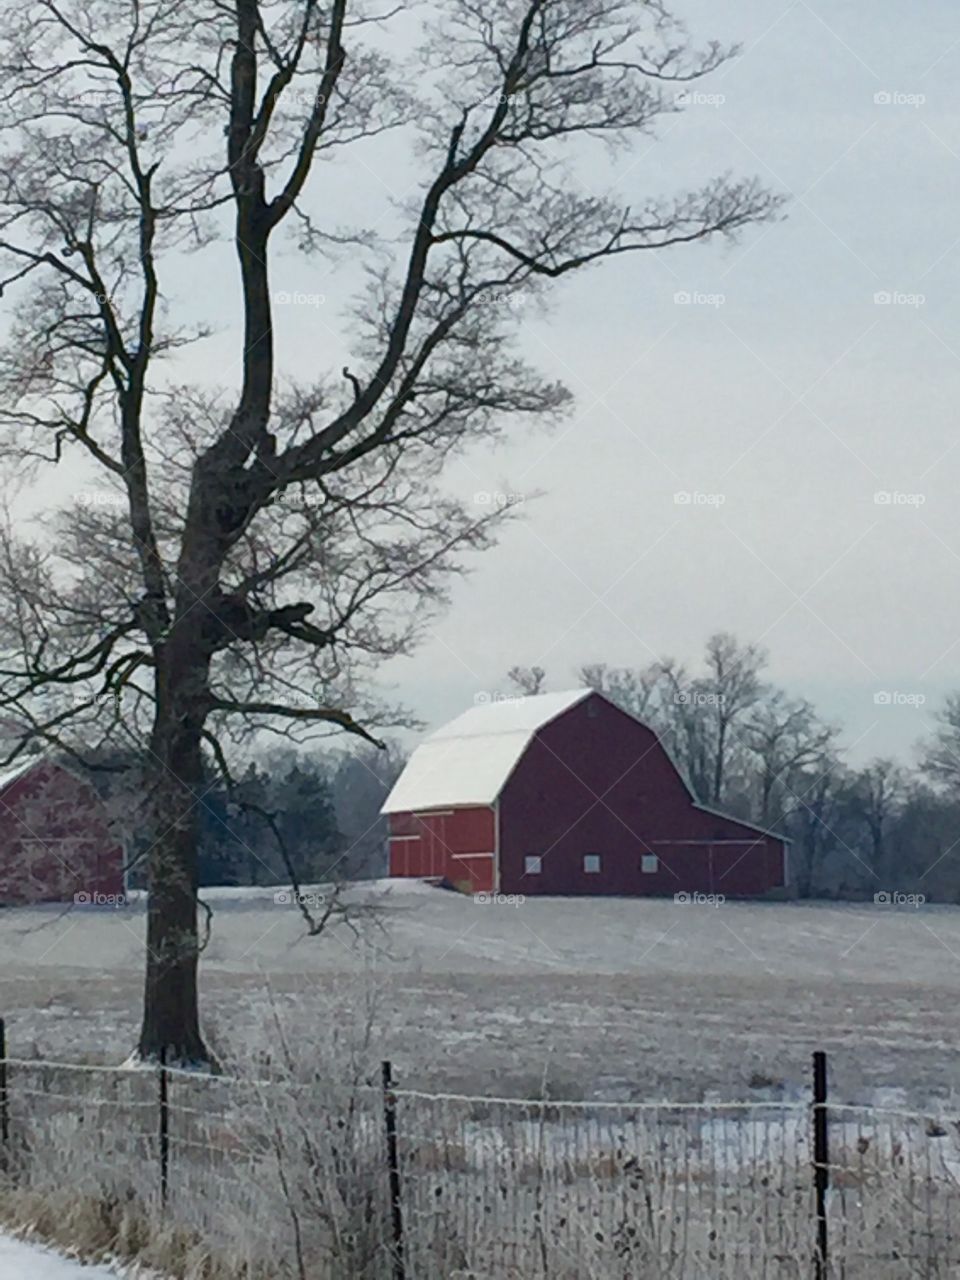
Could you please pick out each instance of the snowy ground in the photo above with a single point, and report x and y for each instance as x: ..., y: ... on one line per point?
x: 19, y: 1261
x: 615, y: 998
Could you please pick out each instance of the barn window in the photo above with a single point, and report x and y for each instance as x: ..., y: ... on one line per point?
x: 648, y: 862
x: 532, y: 864
x: 591, y: 863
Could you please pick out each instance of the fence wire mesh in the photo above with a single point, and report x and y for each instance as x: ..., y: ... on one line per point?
x: 894, y: 1196
x: 526, y: 1188
x: 276, y: 1176
x: 291, y: 1177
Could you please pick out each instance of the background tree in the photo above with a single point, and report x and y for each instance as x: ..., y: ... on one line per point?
x: 259, y: 551
x: 784, y: 737
x: 878, y: 792
x: 812, y: 817
x: 730, y: 689
x: 362, y: 780
x: 632, y: 689
x: 529, y: 680
x: 695, y: 716
x: 941, y: 753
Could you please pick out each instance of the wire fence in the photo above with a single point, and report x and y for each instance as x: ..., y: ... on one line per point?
x: 315, y: 1177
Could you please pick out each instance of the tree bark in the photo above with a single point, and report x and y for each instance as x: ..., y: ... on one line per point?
x: 171, y: 1015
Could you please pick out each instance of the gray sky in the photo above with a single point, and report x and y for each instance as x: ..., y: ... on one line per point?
x: 782, y: 398
x: 797, y: 400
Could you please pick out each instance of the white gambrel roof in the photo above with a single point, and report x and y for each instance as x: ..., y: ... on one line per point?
x: 468, y: 760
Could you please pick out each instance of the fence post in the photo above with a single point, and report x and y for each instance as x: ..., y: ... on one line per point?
x: 164, y: 1130
x: 393, y: 1166
x: 821, y: 1160
x: 4, y: 1097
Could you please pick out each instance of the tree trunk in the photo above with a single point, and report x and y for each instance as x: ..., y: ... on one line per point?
x: 718, y: 763
x: 171, y: 1018
x: 766, y: 792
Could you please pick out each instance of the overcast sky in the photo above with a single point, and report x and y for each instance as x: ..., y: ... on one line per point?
x: 762, y: 380
x: 797, y: 399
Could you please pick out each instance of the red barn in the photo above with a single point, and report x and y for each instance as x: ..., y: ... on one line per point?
x: 565, y: 793
x: 56, y: 844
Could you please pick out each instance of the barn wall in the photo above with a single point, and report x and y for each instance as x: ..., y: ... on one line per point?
x: 455, y: 844
x: 55, y: 840
x: 596, y: 781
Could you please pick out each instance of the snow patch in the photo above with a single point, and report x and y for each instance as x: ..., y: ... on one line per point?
x: 22, y: 1261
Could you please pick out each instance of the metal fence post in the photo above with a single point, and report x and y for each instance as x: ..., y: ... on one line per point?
x: 393, y: 1166
x: 164, y: 1130
x: 4, y: 1097
x: 821, y: 1160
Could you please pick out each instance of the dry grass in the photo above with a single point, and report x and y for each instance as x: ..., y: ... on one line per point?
x: 105, y: 1229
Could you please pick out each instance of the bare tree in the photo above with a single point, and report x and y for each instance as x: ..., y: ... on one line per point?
x: 362, y: 781
x: 784, y: 736
x: 683, y: 728
x: 635, y: 690
x: 878, y: 792
x: 700, y: 713
x: 940, y: 760
x: 816, y: 794
x: 732, y: 687
x: 252, y: 554
x: 529, y: 680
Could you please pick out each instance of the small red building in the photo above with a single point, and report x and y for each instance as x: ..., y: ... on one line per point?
x: 565, y: 793
x: 56, y: 843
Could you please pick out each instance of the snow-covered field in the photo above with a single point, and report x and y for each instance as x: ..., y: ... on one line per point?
x: 610, y: 998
